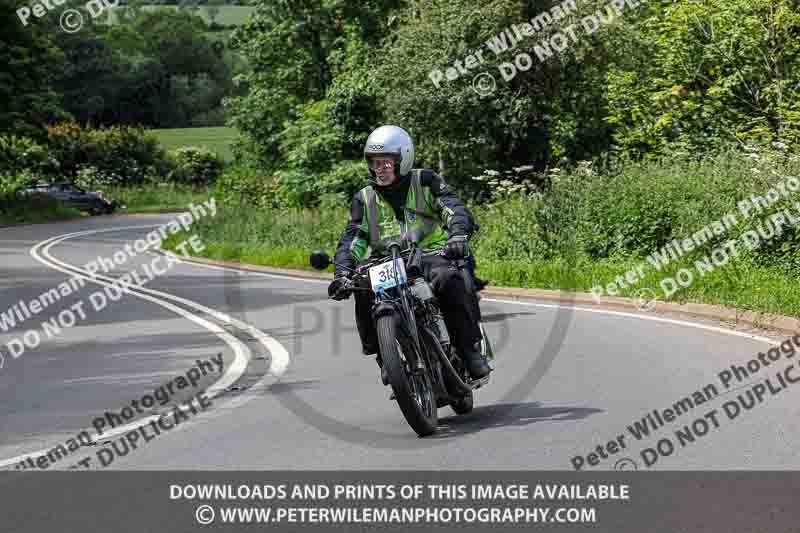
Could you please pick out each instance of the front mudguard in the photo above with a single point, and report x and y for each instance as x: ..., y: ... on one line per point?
x: 383, y: 309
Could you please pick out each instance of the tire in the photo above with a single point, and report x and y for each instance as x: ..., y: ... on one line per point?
x: 463, y: 405
x: 421, y: 415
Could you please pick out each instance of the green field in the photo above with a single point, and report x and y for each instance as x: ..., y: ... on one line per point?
x: 217, y: 139
x: 227, y: 14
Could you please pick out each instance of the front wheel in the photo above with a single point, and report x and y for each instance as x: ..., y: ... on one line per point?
x: 412, y: 388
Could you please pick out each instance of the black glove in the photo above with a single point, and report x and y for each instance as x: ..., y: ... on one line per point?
x: 338, y: 288
x: 457, y: 247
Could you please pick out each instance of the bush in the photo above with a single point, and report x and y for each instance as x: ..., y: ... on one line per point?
x: 128, y: 154
x: 90, y: 177
x: 21, y: 153
x: 12, y: 183
x: 121, y: 155
x: 195, y: 166
x: 244, y: 184
x: 67, y: 143
x: 345, y: 179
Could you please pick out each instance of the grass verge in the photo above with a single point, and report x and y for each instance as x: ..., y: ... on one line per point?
x: 34, y: 210
x: 286, y: 239
x: 161, y: 198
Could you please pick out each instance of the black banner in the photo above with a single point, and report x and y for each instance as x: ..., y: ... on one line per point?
x: 399, y: 501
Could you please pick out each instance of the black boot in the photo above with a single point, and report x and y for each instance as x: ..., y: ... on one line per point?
x: 476, y: 365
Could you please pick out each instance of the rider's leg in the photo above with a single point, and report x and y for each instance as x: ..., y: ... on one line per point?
x: 366, y: 327
x: 458, y: 310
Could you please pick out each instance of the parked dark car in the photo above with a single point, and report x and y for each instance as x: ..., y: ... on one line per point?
x: 72, y: 196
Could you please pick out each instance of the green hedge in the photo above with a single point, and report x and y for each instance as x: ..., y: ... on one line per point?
x: 194, y: 166
x: 586, y: 229
x: 119, y: 155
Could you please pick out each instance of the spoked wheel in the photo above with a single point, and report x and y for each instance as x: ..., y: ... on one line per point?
x: 412, y: 388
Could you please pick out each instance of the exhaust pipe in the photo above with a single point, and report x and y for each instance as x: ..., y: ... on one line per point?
x: 460, y: 385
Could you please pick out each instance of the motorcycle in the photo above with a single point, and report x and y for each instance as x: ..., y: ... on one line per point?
x: 425, y: 370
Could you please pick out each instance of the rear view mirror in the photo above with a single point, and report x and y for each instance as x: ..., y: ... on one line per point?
x: 320, y: 260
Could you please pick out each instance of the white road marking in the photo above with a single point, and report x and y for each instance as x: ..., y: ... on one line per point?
x: 531, y: 304
x: 243, y: 355
x: 643, y: 317
x: 279, y: 357
x: 276, y: 350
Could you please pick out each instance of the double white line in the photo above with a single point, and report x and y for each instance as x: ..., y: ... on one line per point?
x: 279, y: 357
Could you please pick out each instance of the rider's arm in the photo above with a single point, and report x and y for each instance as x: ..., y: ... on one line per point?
x: 353, y: 244
x: 455, y: 215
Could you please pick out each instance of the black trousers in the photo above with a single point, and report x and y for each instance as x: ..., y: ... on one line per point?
x: 458, y: 306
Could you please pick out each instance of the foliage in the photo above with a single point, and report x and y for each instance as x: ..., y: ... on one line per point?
x: 21, y: 153
x: 28, y: 60
x: 159, y: 69
x: 13, y: 181
x: 119, y: 155
x: 157, y: 197
x: 702, y: 75
x: 195, y: 166
x: 245, y: 185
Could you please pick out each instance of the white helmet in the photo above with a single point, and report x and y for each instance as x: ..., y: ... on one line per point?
x: 392, y: 141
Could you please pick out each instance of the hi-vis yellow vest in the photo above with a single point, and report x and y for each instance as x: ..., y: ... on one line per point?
x: 382, y: 225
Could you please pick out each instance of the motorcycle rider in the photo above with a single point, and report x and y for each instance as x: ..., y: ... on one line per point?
x: 401, y: 199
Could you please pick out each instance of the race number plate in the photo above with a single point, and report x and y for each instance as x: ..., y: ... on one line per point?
x: 382, y: 276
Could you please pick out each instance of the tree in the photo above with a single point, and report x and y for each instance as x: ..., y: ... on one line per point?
x: 295, y: 50
x: 717, y: 72
x: 28, y: 61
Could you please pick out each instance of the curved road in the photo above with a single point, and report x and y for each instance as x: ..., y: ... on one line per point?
x: 295, y: 392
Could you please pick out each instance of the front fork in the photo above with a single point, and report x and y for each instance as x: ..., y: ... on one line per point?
x: 408, y: 324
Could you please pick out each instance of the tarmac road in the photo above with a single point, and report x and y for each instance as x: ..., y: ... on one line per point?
x: 296, y: 393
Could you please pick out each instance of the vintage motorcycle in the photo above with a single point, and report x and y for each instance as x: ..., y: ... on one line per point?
x: 425, y: 370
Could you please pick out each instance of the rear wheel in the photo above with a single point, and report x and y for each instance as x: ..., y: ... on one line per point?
x: 412, y: 388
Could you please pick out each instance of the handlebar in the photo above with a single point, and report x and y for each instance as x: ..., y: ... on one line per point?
x: 361, y: 269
